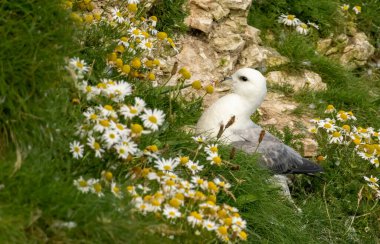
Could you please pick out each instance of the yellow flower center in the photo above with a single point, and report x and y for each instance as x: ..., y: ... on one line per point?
x: 79, y: 64
x: 97, y: 187
x: 184, y: 160
x: 83, y: 183
x: 291, y: 17
x: 222, y: 230
x: 196, y: 215
x: 170, y: 183
x: 152, y: 119
x: 336, y: 134
x: 162, y: 35
x: 174, y: 202
x: 217, y: 160
x: 167, y: 167
x: 346, y: 128
x: 96, y: 146
x: 136, y: 128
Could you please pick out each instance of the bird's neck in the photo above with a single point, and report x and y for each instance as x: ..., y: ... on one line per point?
x: 254, y: 99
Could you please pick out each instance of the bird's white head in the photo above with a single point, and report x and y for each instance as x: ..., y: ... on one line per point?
x: 249, y: 83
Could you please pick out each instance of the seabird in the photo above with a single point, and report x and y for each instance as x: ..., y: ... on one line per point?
x: 229, y: 118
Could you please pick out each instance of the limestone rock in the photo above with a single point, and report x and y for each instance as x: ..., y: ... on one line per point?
x: 199, y: 19
x: 351, y: 51
x: 310, y: 147
x: 232, y: 43
x: 358, y: 51
x: 306, y: 78
x: 236, y: 4
x: 258, y: 56
x: 252, y: 35
x: 323, y: 45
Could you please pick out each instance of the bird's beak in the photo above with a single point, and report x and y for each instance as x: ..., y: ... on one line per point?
x: 226, y: 79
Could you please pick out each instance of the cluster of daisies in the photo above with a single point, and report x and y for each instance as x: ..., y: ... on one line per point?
x: 366, y: 141
x: 116, y: 123
x: 171, y: 188
x: 112, y: 127
x: 301, y: 27
x: 346, y: 7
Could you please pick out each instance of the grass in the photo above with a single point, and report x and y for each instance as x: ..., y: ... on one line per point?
x: 38, y: 121
x: 347, y: 212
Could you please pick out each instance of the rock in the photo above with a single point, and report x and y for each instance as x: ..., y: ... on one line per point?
x: 277, y: 110
x: 236, y: 4
x: 232, y: 43
x: 323, y: 45
x: 310, y: 147
x: 357, y: 52
x: 258, y: 56
x: 305, y: 79
x: 218, y: 12
x: 252, y: 35
x: 351, y: 51
x: 199, y: 19
x: 332, y: 50
x: 342, y: 38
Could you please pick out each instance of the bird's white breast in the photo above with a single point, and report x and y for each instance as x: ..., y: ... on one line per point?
x: 221, y: 112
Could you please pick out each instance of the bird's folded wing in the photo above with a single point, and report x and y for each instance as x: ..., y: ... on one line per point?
x: 275, y: 155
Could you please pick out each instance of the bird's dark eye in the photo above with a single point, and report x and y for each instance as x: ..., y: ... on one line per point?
x: 243, y: 78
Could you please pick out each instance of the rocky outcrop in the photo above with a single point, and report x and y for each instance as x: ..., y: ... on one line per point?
x: 225, y: 41
x: 352, y: 51
x: 304, y: 79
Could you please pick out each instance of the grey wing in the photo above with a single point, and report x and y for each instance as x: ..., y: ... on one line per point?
x: 275, y: 155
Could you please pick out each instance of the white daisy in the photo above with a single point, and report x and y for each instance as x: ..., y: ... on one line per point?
x: 336, y: 137
x: 166, y: 164
x: 238, y: 221
x: 302, y: 29
x: 357, y: 9
x: 314, y: 25
x: 214, y: 158
x: 289, y: 19
x: 117, y: 15
x: 329, y: 126
x: 372, y: 180
x: 195, y: 218
x: 77, y: 149
x: 345, y: 7
x: 133, y: 1
x: 199, y: 182
x: 116, y: 190
x: 82, y: 185
x: 91, y: 115
x: 209, y: 225
x: 78, y: 65
x: 194, y: 167
x: 111, y: 137
x: 223, y: 184
x: 199, y: 139
x: 118, y: 91
x: 171, y: 212
x: 107, y: 111
x: 146, y: 45
x: 128, y: 111
x: 93, y: 144
x: 211, y: 149
x: 96, y: 187
x: 152, y: 118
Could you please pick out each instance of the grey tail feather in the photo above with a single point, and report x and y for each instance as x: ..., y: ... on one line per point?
x: 307, y: 167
